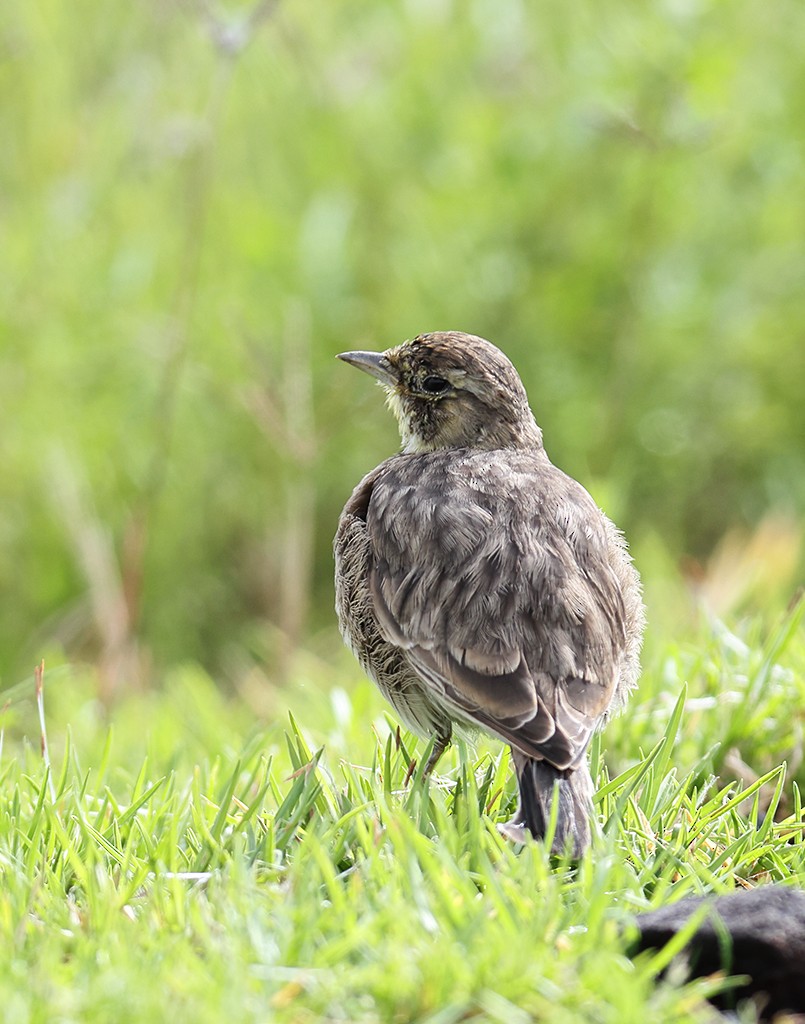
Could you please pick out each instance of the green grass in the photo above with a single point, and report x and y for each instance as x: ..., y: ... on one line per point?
x: 186, y: 863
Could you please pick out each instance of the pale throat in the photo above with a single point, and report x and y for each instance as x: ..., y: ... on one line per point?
x: 412, y: 443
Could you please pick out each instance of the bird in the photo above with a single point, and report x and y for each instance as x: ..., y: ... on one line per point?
x: 480, y: 587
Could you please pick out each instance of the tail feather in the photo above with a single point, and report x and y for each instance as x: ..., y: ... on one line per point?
x: 574, y: 791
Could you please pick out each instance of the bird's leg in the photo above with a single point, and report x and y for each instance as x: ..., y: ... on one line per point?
x: 441, y: 744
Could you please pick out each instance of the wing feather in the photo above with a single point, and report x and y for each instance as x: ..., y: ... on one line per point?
x: 492, y: 571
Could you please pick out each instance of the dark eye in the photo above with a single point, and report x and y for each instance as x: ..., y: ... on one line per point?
x: 435, y: 385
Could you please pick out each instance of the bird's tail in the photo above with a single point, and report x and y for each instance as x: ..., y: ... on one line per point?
x: 538, y: 782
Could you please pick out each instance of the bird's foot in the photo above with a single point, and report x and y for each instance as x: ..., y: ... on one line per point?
x: 441, y: 744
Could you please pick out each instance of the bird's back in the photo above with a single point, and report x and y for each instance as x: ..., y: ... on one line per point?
x: 492, y: 582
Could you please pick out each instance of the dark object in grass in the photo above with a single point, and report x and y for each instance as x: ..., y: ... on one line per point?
x: 756, y: 932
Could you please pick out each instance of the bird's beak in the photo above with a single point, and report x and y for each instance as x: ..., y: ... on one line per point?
x: 373, y: 363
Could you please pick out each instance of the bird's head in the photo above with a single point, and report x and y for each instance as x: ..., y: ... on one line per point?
x: 452, y: 390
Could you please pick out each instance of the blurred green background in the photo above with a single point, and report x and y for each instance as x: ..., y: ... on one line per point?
x: 201, y: 204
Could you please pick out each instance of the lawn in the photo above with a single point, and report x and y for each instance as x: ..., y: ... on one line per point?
x: 183, y: 861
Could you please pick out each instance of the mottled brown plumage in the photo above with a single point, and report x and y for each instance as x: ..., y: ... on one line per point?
x: 478, y: 585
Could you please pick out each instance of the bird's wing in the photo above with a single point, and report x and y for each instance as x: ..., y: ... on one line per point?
x: 492, y: 571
